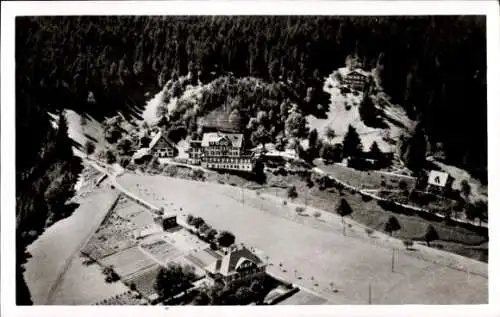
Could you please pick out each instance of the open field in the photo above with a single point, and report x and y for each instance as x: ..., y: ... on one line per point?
x: 128, y: 261
x: 364, y: 179
x: 85, y: 285
x: 316, y: 251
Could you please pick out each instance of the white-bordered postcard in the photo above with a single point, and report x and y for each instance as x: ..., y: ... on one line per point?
x: 320, y: 158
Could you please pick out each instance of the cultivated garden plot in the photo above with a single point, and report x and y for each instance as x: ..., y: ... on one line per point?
x: 144, y: 280
x: 160, y: 250
x: 128, y: 261
x: 316, y: 258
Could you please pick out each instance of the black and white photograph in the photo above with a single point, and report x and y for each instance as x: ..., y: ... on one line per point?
x: 249, y: 159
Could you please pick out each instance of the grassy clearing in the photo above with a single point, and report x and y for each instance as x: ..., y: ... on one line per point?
x: 364, y: 179
x: 84, y: 285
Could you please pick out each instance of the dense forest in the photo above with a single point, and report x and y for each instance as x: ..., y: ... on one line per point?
x: 434, y: 67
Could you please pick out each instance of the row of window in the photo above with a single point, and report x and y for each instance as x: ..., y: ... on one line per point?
x: 230, y: 166
x: 227, y: 160
x: 222, y: 153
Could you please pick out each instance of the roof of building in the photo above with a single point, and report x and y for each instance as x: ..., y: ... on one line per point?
x: 344, y: 71
x: 140, y: 153
x: 231, y: 261
x: 157, y: 138
x: 236, y: 139
x: 438, y: 178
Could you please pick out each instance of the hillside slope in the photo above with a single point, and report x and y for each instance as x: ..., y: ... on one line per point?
x: 343, y: 111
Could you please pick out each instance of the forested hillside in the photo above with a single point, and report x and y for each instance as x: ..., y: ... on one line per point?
x: 433, y: 66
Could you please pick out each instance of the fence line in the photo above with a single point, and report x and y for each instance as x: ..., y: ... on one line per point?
x: 404, y: 206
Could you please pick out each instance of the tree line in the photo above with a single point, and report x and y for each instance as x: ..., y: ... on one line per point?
x: 434, y: 66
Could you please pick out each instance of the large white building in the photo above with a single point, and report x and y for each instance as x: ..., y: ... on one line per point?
x: 221, y: 151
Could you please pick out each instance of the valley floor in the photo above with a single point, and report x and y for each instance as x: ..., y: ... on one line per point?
x: 309, y: 250
x: 316, y: 251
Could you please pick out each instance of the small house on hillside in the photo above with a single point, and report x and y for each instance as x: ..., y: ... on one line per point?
x: 439, y: 181
x: 161, y: 146
x: 356, y: 79
x: 240, y: 265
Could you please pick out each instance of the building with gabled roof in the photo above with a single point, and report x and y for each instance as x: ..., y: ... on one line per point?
x: 234, y: 140
x: 221, y: 151
x: 237, y: 266
x: 355, y: 79
x: 161, y: 146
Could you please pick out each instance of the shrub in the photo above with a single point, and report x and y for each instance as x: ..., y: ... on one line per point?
x: 431, y: 235
x: 292, y: 192
x: 226, y: 238
x: 366, y: 198
x: 317, y: 214
x: 383, y: 183
x: 189, y: 219
x: 403, y: 185
x: 408, y: 243
x: 369, y: 231
x: 299, y: 209
x: 198, y: 174
x: 392, y: 225
x: 124, y: 162
x: 198, y: 222
x: 285, y: 202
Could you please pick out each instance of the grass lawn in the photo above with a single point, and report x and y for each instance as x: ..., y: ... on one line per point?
x: 85, y: 285
x: 315, y: 249
x: 369, y: 213
x: 364, y: 179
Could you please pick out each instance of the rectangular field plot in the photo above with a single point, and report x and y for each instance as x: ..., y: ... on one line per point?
x: 128, y: 261
x: 161, y: 250
x: 134, y: 214
x: 144, y: 280
x: 304, y: 298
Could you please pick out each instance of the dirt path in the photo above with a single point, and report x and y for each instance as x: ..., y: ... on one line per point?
x: 54, y: 250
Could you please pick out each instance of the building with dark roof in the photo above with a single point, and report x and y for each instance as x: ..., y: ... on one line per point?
x: 161, y: 146
x: 239, y: 265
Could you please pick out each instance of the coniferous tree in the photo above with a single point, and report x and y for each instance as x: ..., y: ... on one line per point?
x: 392, y: 225
x: 343, y: 210
x: 415, y: 151
x: 351, y: 145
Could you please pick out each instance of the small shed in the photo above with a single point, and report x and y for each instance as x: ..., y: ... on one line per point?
x: 169, y: 221
x: 439, y: 180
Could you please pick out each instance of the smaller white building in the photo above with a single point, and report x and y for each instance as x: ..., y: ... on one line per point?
x: 439, y: 180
